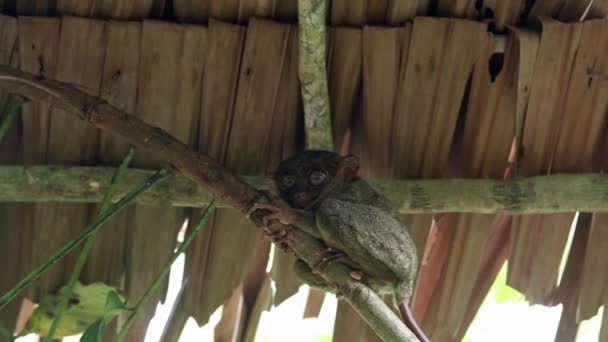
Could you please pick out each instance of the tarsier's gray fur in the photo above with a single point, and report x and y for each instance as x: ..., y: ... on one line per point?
x: 363, y: 224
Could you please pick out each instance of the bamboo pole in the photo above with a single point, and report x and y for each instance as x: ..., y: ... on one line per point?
x: 533, y: 195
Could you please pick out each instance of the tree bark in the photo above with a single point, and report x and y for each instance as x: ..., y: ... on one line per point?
x: 312, y: 70
x: 560, y: 193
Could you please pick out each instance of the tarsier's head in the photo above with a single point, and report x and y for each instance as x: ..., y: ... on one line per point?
x: 301, y: 178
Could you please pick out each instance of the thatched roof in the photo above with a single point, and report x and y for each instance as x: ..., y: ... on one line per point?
x: 421, y: 98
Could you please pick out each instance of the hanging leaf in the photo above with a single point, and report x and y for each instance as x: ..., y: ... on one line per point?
x: 114, y: 305
x: 94, y: 332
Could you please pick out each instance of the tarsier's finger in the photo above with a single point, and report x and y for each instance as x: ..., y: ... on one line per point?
x: 286, y: 246
x: 253, y: 208
x: 266, y: 219
x: 266, y: 206
x: 280, y: 234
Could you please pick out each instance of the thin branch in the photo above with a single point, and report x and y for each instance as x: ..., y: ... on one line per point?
x: 198, y: 167
x: 13, y: 109
x: 559, y: 193
x: 166, y: 268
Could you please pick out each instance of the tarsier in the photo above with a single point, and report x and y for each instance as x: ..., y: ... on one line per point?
x: 321, y: 194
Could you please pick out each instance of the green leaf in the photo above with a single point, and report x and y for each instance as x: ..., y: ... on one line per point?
x: 94, y: 332
x: 114, y: 305
x: 88, y: 304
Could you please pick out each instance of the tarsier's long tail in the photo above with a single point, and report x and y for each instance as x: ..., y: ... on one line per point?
x: 410, y: 322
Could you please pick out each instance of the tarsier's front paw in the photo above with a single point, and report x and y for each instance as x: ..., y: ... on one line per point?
x: 280, y: 211
x: 282, y: 238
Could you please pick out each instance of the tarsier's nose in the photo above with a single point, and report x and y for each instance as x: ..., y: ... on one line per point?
x: 300, y: 199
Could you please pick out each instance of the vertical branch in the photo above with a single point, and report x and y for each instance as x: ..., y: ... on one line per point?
x: 313, y: 73
x: 317, y: 119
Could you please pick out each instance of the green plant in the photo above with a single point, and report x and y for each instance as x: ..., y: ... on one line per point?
x: 85, y: 233
x: 86, y: 250
x: 167, y: 267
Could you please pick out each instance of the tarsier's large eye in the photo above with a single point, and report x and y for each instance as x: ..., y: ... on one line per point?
x: 317, y: 177
x: 288, y: 181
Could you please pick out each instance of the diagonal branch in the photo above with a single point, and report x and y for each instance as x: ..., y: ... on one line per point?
x: 208, y: 173
x: 198, y: 167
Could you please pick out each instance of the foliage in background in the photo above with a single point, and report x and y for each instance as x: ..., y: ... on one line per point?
x: 88, y: 246
x: 87, y: 304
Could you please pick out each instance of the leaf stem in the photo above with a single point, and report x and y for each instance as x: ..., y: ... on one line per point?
x: 13, y: 109
x: 86, y: 232
x: 88, y: 246
x: 165, y: 271
x: 4, y: 331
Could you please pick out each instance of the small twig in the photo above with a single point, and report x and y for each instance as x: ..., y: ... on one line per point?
x: 167, y: 267
x: 85, y: 233
x: 88, y: 246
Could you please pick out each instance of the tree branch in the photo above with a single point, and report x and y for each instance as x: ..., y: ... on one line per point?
x: 208, y: 173
x: 560, y: 193
x: 312, y: 70
x: 198, y: 167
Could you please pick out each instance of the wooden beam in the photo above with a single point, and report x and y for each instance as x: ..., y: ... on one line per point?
x: 540, y: 194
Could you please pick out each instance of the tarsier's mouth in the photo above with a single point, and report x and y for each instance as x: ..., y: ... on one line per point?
x: 301, y: 200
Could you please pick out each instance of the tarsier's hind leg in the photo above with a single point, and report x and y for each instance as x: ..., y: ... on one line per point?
x: 403, y: 290
x: 330, y: 256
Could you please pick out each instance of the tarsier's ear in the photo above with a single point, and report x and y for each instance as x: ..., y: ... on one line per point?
x: 351, y: 159
x: 351, y: 162
x: 349, y: 166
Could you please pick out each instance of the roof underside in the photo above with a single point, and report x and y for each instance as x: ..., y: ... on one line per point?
x: 426, y: 98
